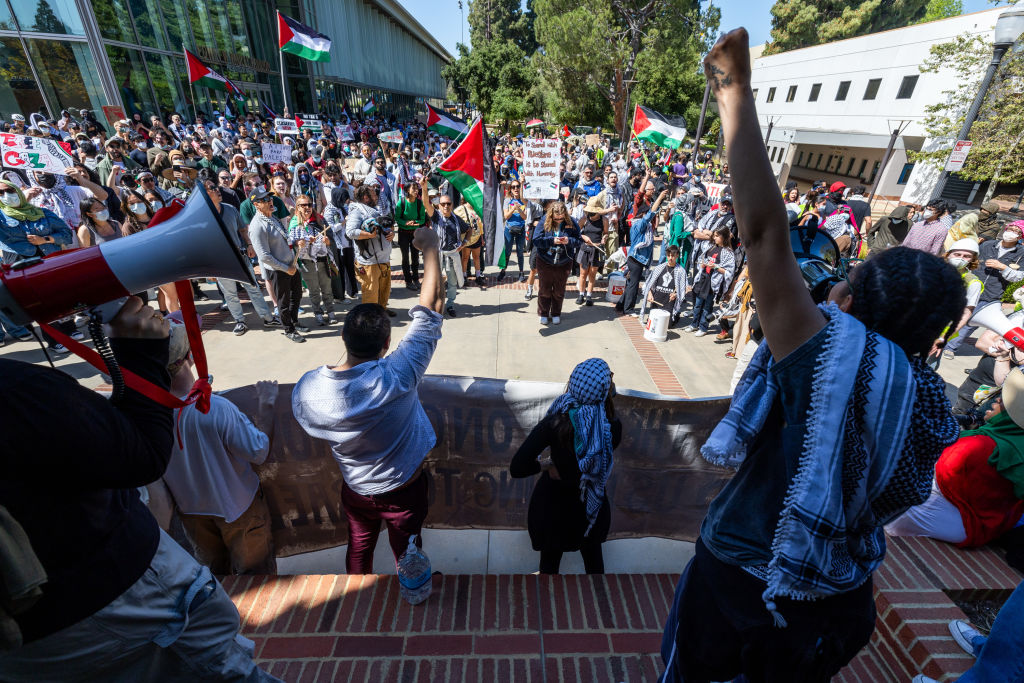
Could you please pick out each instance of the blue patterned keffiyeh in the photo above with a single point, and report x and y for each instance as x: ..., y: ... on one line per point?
x: 584, y: 402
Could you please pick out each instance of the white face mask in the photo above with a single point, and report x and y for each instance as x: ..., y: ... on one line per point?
x: 928, y: 215
x: 101, y: 215
x: 1010, y: 236
x: 259, y: 160
x: 957, y: 262
x: 138, y: 209
x: 156, y: 204
x: 12, y: 199
x: 98, y: 142
x: 141, y: 145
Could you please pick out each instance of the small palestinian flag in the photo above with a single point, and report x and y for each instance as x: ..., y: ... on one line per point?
x: 302, y: 41
x: 663, y: 131
x: 566, y: 132
x: 470, y: 171
x: 370, y: 106
x: 443, y: 124
x: 200, y: 74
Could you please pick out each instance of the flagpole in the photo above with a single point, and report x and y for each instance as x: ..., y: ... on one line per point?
x: 193, y: 91
x: 284, y: 88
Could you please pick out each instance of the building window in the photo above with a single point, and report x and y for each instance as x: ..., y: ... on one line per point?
x: 907, y: 88
x: 905, y: 174
x: 130, y: 73
x: 755, y: 94
x: 67, y: 74
x: 800, y: 159
x: 844, y: 87
x: 860, y: 171
x: 839, y: 164
x: 114, y: 21
x: 849, y: 168
x: 815, y: 89
x: 872, y: 90
x: 771, y: 95
x: 874, y: 171
x: 791, y: 95
x: 18, y: 90
x: 49, y: 16
x: 817, y: 164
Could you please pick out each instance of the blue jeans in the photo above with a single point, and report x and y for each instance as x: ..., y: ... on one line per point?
x: 519, y: 242
x: 175, y: 623
x: 702, y: 307
x: 1001, y: 658
x: 8, y: 328
x: 230, y: 292
x: 451, y: 264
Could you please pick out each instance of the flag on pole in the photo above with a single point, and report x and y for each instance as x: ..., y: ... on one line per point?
x: 443, y: 124
x: 470, y: 170
x: 199, y: 73
x: 302, y: 41
x: 663, y: 131
x: 370, y: 106
x: 270, y: 112
x: 344, y: 110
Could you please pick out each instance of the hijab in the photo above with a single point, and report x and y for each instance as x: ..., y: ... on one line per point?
x: 965, y: 228
x: 58, y: 200
x: 588, y: 388
x: 26, y: 212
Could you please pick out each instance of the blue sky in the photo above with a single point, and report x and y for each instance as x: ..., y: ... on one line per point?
x: 441, y: 17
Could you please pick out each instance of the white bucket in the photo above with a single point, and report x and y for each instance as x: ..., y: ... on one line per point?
x: 616, y: 288
x: 656, y: 329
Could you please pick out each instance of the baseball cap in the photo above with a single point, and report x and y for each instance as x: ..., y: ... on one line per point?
x: 259, y: 194
x: 837, y: 186
x: 18, y: 117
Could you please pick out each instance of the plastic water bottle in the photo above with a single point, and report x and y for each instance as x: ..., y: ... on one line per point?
x: 414, y: 574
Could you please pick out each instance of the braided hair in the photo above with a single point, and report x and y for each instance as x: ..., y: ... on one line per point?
x: 908, y: 296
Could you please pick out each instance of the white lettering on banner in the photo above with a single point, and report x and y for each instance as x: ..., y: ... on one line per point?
x: 541, y: 158
x: 286, y: 127
x: 958, y: 156
x: 33, y: 154
x: 714, y: 190
x: 274, y: 153
x: 394, y: 136
x: 310, y: 121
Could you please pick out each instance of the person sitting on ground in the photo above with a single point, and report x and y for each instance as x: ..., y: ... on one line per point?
x: 990, y: 225
x: 666, y: 286
x: 964, y: 229
x: 369, y: 409
x: 569, y: 508
x: 834, y: 427
x: 978, y: 491
x: 210, y: 475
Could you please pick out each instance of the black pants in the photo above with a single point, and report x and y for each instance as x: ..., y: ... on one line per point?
x: 345, y: 283
x: 410, y: 256
x: 288, y: 290
x: 593, y: 559
x: 983, y: 373
x: 634, y: 277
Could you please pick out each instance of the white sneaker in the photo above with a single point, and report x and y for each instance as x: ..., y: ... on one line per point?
x: 556, y: 320
x: 699, y: 333
x: 963, y: 633
x: 529, y: 292
x: 544, y: 321
x: 689, y: 328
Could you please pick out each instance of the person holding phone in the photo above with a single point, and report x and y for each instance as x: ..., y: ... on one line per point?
x: 556, y: 239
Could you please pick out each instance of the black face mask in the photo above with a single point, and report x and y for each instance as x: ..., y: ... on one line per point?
x: 46, y: 180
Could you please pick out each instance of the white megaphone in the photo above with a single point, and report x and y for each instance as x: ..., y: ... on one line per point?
x: 194, y: 242
x: 992, y: 317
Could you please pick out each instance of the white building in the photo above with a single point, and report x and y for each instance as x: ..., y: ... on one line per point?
x: 834, y: 107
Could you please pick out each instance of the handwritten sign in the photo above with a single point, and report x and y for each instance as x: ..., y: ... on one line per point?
x: 394, y: 136
x: 33, y: 154
x: 286, y: 127
x: 714, y: 190
x: 274, y: 153
x: 541, y: 158
x: 344, y: 133
x: 593, y: 140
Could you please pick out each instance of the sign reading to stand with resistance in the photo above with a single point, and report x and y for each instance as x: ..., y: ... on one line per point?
x: 33, y: 154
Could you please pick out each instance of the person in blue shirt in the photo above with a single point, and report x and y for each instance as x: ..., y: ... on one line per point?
x: 27, y: 230
x: 588, y: 183
x: 641, y: 249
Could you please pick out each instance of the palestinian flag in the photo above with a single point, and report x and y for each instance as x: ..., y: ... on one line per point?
x: 370, y: 106
x: 470, y: 171
x: 443, y: 124
x: 566, y: 132
x: 663, y: 131
x: 270, y: 112
x: 200, y: 74
x: 302, y: 41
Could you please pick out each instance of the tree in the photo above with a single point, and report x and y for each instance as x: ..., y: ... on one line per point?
x: 502, y: 20
x: 498, y: 78
x: 997, y: 154
x: 941, y: 9
x: 46, y: 21
x: 798, y: 23
x: 614, y: 47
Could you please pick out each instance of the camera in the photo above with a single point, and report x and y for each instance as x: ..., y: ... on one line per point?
x: 385, y: 224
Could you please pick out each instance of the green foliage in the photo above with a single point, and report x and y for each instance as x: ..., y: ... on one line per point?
x: 997, y: 153
x: 497, y: 77
x: 1007, y: 297
x: 502, y: 20
x: 941, y: 9
x: 799, y: 23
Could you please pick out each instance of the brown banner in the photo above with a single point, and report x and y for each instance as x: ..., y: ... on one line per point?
x: 660, y: 486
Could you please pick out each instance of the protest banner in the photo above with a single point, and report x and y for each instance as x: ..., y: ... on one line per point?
x: 660, y: 485
x: 33, y: 154
x: 308, y: 121
x: 714, y: 190
x: 113, y: 114
x: 593, y: 140
x: 344, y: 134
x: 540, y: 168
x: 286, y: 127
x: 391, y: 136
x: 274, y: 153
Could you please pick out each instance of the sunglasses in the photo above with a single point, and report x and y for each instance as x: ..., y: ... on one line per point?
x: 444, y: 203
x: 304, y: 206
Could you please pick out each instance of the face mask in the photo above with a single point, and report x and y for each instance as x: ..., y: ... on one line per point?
x: 1010, y: 236
x: 101, y: 215
x: 12, y: 199
x: 46, y: 180
x: 957, y: 262
x: 138, y: 209
x: 928, y: 215
x: 248, y: 152
x: 141, y: 145
x: 291, y: 169
x: 157, y: 204
x: 316, y: 159
x: 259, y: 160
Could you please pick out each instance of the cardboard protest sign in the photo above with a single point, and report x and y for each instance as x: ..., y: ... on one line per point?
x: 540, y: 168
x: 394, y: 136
x: 33, y: 154
x: 593, y: 140
x: 286, y: 127
x: 714, y: 190
x: 274, y: 153
x: 344, y: 134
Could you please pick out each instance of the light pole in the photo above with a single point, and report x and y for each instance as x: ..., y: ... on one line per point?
x: 1009, y: 27
x: 462, y: 23
x: 700, y: 121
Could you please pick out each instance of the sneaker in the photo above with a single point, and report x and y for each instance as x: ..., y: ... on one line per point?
x: 391, y: 312
x: 699, y: 333
x: 722, y: 336
x: 302, y: 328
x: 25, y: 337
x: 964, y: 634
x: 689, y: 328
x: 590, y: 301
x: 240, y: 329
x: 948, y: 355
x: 501, y: 275
x: 522, y: 277
x: 556, y: 320
x: 580, y: 299
x: 730, y: 354
x: 481, y: 282
x: 544, y: 320
x: 529, y: 292
x: 78, y: 335
x: 81, y: 320
x: 450, y: 311
x: 272, y: 322
x: 320, y: 320
x: 295, y: 337
x: 330, y: 319
x: 224, y: 307
x: 202, y: 297
x: 60, y: 349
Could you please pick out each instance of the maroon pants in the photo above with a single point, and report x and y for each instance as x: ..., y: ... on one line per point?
x: 403, y: 511
x: 551, y: 290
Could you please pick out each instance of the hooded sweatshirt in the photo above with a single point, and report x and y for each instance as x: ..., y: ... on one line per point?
x: 890, y: 230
